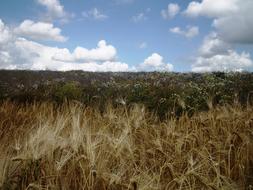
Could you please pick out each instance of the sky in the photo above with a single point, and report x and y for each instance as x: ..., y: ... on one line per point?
x: 127, y: 35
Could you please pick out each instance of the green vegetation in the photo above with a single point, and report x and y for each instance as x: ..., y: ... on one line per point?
x: 166, y: 94
x: 68, y: 91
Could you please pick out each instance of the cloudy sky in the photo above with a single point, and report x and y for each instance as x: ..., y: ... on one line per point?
x: 127, y: 35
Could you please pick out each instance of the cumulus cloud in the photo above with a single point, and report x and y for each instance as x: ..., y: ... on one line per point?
x: 6, y: 37
x: 190, y: 32
x: 5, y: 59
x: 218, y: 55
x: 232, y: 61
x: 232, y: 18
x: 211, y: 8
x: 54, y: 7
x: 172, y: 10
x: 35, y: 56
x: 20, y: 53
x: 103, y: 52
x: 213, y: 45
x: 5, y: 34
x: 39, y: 31
x: 155, y: 63
x: 94, y: 14
x: 233, y: 22
x: 54, y: 10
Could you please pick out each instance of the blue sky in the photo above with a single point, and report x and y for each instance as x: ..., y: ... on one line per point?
x: 139, y: 35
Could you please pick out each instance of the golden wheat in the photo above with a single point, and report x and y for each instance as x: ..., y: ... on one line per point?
x: 72, y: 147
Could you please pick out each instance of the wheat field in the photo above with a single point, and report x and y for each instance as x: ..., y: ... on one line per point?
x: 43, y: 146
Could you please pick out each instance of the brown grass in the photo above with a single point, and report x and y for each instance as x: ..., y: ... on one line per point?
x: 72, y: 147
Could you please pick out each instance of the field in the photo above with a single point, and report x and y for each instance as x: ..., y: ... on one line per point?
x: 94, y: 131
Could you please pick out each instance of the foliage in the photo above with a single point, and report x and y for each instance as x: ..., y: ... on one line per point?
x: 68, y: 91
x: 166, y: 94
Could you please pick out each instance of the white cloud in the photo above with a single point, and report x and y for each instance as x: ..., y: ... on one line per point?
x: 232, y: 18
x: 139, y: 17
x: 155, y: 63
x: 54, y: 10
x: 95, y: 14
x: 5, y: 58
x: 6, y: 38
x: 32, y: 55
x: 39, y: 31
x: 5, y: 34
x: 171, y: 12
x: 232, y: 61
x: 143, y: 45
x: 191, y: 31
x: 20, y: 53
x: 103, y: 52
x: 217, y: 55
x: 234, y: 24
x: 213, y: 45
x: 212, y: 8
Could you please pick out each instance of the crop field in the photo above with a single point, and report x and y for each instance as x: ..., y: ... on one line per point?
x: 136, y: 131
x: 126, y: 95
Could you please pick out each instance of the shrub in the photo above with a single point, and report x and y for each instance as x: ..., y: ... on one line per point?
x: 68, y: 91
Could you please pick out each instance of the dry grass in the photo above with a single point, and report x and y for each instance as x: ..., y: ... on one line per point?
x: 72, y: 147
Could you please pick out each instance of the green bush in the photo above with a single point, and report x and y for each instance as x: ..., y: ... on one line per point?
x: 68, y: 91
